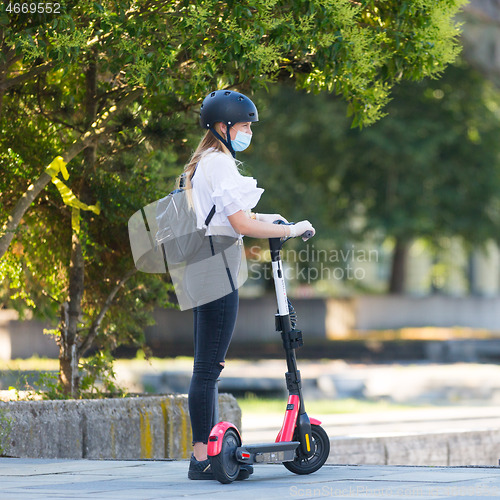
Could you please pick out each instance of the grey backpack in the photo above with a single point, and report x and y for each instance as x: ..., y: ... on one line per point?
x: 164, y: 233
x: 177, y: 233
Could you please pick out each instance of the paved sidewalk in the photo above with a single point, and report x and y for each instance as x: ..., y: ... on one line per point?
x: 30, y: 479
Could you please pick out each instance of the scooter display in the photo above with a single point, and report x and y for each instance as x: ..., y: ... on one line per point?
x: 302, y: 445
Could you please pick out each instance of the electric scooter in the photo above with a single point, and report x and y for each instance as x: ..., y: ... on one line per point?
x: 302, y: 445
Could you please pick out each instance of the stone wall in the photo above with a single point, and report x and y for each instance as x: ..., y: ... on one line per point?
x: 125, y: 428
x: 454, y: 448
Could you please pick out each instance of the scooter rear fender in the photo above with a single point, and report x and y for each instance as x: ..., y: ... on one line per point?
x: 216, y: 436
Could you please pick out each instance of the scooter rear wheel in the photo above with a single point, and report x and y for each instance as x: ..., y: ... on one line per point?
x: 307, y: 465
x: 224, y: 465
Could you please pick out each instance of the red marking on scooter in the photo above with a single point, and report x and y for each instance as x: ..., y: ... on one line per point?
x: 292, y: 410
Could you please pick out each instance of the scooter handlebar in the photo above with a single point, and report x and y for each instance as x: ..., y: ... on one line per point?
x: 307, y: 235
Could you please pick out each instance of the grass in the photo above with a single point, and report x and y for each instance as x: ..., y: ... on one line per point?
x: 46, y: 364
x: 32, y: 364
x: 253, y: 404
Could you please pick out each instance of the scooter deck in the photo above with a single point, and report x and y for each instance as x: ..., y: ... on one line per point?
x: 270, y: 447
x: 267, y: 452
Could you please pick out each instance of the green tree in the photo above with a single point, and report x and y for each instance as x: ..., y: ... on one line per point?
x: 181, y: 49
x: 106, y: 84
x: 430, y: 169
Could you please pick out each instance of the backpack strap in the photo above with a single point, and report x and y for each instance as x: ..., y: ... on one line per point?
x: 210, y: 215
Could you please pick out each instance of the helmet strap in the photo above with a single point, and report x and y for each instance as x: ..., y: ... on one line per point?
x: 226, y: 142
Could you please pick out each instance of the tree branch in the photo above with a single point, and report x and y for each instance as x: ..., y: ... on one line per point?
x: 94, y: 328
x: 37, y: 70
x: 95, y: 132
x: 10, y: 59
x: 49, y: 117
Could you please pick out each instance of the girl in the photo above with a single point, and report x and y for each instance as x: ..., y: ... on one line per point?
x: 228, y: 117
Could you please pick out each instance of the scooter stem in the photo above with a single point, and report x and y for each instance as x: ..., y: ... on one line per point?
x: 293, y: 375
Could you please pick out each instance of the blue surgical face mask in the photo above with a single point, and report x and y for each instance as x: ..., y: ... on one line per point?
x: 241, y: 141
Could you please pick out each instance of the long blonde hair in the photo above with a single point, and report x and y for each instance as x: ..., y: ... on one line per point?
x: 209, y: 141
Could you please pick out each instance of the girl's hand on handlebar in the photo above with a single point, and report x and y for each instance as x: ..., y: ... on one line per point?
x: 269, y: 217
x: 300, y: 228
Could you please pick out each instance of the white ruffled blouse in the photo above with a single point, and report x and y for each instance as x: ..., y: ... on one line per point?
x: 218, y: 182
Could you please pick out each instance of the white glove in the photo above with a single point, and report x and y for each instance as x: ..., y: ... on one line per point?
x: 269, y: 217
x: 300, y: 228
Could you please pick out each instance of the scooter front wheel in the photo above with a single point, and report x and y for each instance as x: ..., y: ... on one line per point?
x: 302, y: 464
x: 224, y: 465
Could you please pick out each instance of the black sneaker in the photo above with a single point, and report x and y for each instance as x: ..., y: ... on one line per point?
x: 200, y: 470
x: 245, y: 471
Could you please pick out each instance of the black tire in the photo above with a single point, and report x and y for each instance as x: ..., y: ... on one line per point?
x: 224, y: 465
x: 303, y: 465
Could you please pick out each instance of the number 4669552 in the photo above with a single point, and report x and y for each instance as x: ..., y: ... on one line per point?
x: 33, y: 8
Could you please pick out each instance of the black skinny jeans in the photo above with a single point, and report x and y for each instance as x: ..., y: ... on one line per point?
x: 213, y: 328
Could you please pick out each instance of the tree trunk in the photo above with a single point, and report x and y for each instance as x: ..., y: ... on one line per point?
x: 397, y: 281
x: 472, y: 274
x: 68, y: 349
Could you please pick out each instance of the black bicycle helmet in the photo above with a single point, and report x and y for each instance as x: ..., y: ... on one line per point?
x: 228, y: 107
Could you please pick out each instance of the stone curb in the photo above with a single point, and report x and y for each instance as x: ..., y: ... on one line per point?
x: 459, y: 448
x: 126, y: 428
